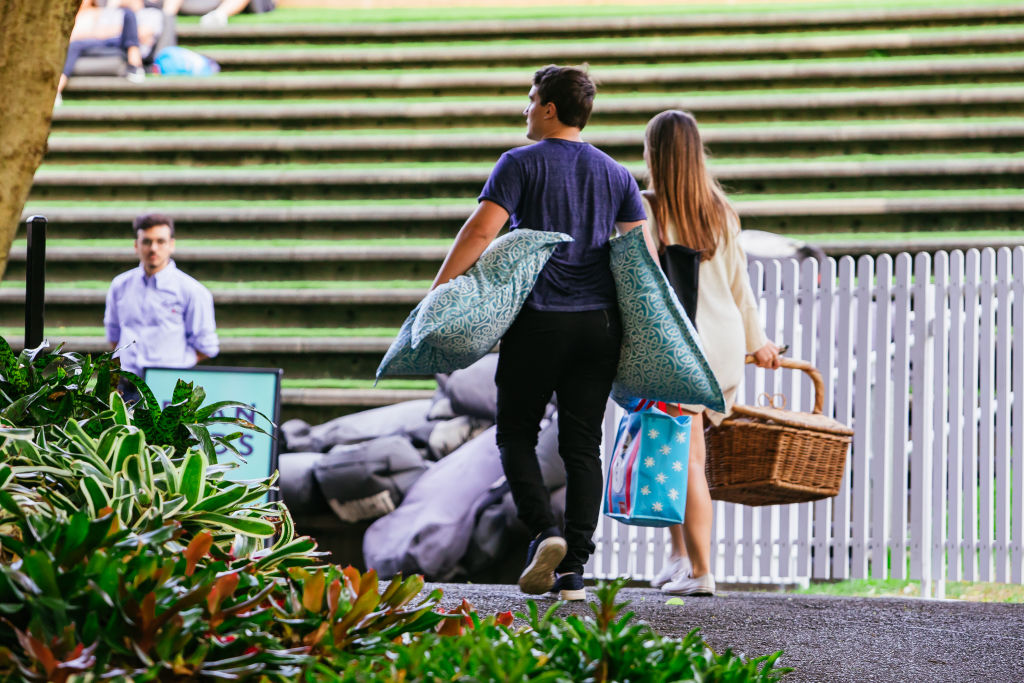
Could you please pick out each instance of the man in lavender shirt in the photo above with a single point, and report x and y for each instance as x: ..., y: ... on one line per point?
x: 156, y: 314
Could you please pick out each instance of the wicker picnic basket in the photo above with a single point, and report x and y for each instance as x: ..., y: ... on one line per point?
x: 772, y: 456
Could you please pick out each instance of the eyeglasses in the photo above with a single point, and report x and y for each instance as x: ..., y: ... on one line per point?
x: 160, y: 242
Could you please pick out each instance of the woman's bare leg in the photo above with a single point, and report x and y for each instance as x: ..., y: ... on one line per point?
x: 696, y: 530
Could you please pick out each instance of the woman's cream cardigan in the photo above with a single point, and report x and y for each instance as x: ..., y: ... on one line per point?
x: 727, y: 317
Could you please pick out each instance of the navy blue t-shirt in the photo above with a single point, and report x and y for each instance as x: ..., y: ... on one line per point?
x: 575, y: 188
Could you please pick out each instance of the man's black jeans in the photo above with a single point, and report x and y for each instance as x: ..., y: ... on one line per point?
x: 573, y: 355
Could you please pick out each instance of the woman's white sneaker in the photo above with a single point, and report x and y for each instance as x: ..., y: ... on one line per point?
x: 674, y: 566
x: 684, y: 584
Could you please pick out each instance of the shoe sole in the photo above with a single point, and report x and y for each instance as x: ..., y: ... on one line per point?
x: 573, y: 595
x: 539, y: 575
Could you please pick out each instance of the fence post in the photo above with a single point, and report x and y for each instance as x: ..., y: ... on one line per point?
x: 921, y: 428
x: 35, y: 281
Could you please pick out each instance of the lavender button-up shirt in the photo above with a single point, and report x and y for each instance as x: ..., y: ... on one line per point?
x: 168, y: 316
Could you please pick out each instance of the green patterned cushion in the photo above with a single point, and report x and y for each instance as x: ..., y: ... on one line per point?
x: 661, y: 357
x: 460, y: 321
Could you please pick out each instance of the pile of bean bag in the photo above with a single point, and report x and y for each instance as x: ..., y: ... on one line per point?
x: 414, y: 487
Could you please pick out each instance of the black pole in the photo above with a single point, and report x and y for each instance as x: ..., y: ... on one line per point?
x: 35, y: 281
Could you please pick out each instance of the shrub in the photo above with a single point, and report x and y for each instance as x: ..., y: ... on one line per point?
x: 125, y: 554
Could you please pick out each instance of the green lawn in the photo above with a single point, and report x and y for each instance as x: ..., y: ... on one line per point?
x: 415, y: 285
x: 57, y: 333
x: 442, y: 133
x: 514, y: 102
x: 423, y: 384
x: 468, y: 203
x: 484, y: 167
x: 955, y: 590
x: 561, y: 43
x: 511, y: 10
x: 597, y: 71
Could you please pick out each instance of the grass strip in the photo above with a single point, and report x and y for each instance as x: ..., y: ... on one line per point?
x: 56, y: 333
x: 514, y: 102
x: 395, y: 166
x: 598, y: 71
x: 965, y: 236
x: 366, y: 384
x: 240, y: 246
x: 470, y: 202
x: 968, y: 591
x: 884, y: 194
x: 343, y: 285
x: 377, y: 15
x: 511, y: 130
x: 581, y: 43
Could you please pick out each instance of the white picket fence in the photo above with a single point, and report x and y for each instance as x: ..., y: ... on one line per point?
x: 923, y: 357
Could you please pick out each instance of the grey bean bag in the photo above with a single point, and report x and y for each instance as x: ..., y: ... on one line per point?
x: 368, y: 479
x: 429, y: 532
x: 472, y: 390
x: 398, y: 418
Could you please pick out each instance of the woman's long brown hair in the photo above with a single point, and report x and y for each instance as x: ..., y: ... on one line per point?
x: 687, y: 196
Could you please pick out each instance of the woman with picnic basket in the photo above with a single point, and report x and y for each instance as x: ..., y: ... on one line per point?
x: 686, y: 206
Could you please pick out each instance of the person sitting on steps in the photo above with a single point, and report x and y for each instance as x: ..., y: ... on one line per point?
x: 103, y: 28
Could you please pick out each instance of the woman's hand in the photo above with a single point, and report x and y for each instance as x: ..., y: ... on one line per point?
x: 767, y: 356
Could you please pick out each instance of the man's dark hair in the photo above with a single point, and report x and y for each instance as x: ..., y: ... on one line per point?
x: 571, y: 91
x: 149, y: 220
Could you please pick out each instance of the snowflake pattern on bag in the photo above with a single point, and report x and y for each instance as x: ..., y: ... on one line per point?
x: 647, y: 472
x: 661, y: 358
x: 459, y: 322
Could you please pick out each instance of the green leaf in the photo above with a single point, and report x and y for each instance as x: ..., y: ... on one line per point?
x: 193, y: 476
x: 95, y: 495
x: 40, y: 569
x: 8, y: 503
x: 134, y: 443
x: 222, y: 501
x: 20, y: 433
x: 120, y: 410
x: 79, y: 436
x: 243, y: 525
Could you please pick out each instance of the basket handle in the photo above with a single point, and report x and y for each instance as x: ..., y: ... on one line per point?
x: 812, y: 372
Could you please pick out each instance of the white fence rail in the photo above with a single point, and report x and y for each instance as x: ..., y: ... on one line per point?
x: 924, y: 357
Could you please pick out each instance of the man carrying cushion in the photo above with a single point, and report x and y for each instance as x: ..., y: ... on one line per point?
x: 566, y: 338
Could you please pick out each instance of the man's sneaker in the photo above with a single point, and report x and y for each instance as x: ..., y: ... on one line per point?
x: 685, y: 584
x: 569, y: 586
x: 675, y: 566
x: 544, y: 554
x: 135, y: 74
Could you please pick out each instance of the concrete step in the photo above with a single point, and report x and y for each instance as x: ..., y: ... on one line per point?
x: 327, y: 222
x: 1005, y: 100
x: 998, y: 136
x: 667, y: 23
x: 299, y: 357
x: 527, y: 55
x: 397, y: 182
x: 782, y: 75
x: 366, y: 307
x: 243, y: 263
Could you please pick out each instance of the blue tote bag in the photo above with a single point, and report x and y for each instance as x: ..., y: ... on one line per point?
x: 646, y: 482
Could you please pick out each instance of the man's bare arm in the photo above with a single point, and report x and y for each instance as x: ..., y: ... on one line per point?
x: 200, y: 357
x: 476, y: 234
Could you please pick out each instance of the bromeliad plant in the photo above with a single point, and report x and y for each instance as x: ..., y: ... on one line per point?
x: 43, y: 387
x: 126, y: 554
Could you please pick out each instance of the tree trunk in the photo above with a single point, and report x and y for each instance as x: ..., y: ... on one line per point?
x: 33, y: 44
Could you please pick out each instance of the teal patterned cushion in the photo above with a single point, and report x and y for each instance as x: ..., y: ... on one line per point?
x: 460, y: 321
x: 661, y: 356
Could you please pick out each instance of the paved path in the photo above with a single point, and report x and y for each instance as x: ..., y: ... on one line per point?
x: 827, y: 638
